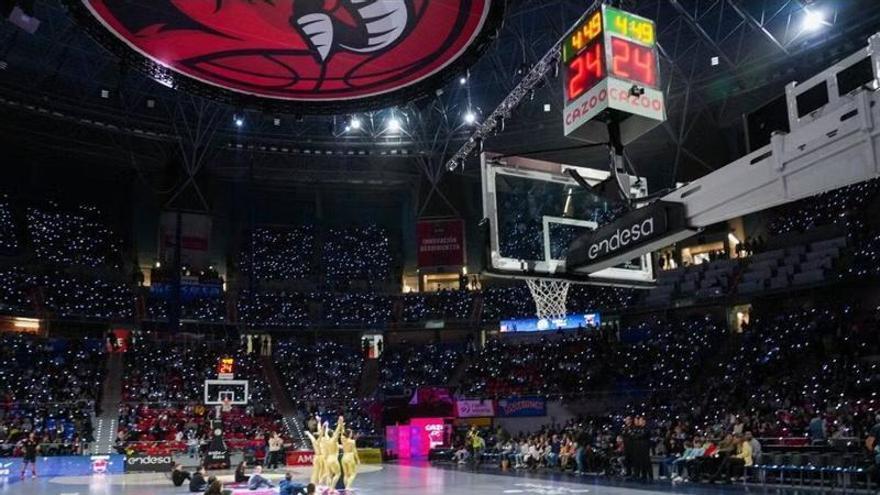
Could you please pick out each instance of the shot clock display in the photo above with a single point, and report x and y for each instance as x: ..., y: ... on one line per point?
x: 630, y: 52
x: 585, y: 70
x: 633, y: 62
x: 609, y: 62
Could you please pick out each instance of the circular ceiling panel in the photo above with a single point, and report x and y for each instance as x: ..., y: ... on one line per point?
x: 297, y: 55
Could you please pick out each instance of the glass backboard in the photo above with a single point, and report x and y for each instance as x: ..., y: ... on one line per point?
x: 535, y: 211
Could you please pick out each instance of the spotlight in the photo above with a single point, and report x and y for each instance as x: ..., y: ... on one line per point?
x: 355, y: 123
x: 547, y: 107
x: 469, y: 117
x: 393, y: 124
x: 105, y: 93
x: 238, y: 121
x: 462, y: 80
x: 347, y: 128
x: 276, y: 121
x: 813, y: 20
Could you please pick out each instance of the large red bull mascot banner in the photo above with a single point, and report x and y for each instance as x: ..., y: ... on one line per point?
x: 311, y: 54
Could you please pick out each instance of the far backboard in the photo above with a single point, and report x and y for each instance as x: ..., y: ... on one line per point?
x: 535, y: 210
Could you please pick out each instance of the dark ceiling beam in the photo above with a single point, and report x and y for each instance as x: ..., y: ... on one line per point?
x: 695, y: 26
x: 751, y: 21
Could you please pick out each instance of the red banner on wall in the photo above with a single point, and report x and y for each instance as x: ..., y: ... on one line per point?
x: 440, y: 242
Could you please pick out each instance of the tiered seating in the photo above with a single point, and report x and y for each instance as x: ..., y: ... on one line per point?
x: 703, y: 281
x: 362, y: 253
x: 356, y: 309
x: 410, y: 367
x: 163, y: 394
x: 322, y: 378
x: 69, y: 238
x: 281, y: 254
x: 48, y: 387
x: 274, y: 308
x: 8, y: 237
x: 799, y: 265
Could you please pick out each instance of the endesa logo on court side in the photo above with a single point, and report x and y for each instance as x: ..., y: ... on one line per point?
x: 634, y: 229
x: 148, y: 463
x: 613, y: 94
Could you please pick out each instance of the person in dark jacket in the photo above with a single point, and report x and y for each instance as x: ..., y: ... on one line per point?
x: 289, y: 487
x: 198, y: 483
x: 179, y: 475
x: 240, y: 475
x: 215, y: 487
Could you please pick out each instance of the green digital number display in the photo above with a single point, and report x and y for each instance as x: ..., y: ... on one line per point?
x: 630, y: 26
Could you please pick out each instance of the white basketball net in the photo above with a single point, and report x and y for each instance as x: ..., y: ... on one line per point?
x: 549, y: 296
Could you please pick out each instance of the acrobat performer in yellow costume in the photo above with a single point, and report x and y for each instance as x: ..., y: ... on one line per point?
x: 330, y: 449
x: 318, y: 458
x: 350, y: 459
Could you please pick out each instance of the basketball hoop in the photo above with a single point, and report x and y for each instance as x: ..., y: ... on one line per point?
x: 550, y: 296
x: 226, y: 406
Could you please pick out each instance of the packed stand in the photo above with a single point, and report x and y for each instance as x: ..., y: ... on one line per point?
x: 277, y: 308
x: 406, y: 368
x: 281, y: 254
x: 551, y: 367
x: 79, y: 238
x: 163, y: 406
x: 801, y: 376
x: 832, y: 207
x: 322, y: 378
x: 358, y: 253
x: 8, y: 236
x: 71, y: 295
x: 203, y: 308
x: 443, y: 304
x: 48, y: 387
x: 15, y: 293
x: 356, y: 309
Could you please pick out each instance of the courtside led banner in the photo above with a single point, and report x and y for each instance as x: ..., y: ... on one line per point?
x: 68, y: 465
x: 516, y: 407
x: 474, y: 408
x: 584, y: 320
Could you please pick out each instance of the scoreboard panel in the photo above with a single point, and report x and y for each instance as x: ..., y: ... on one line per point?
x: 610, y: 70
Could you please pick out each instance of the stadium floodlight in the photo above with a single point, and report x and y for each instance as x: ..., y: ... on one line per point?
x: 393, y: 124
x: 470, y: 117
x: 239, y: 121
x: 462, y: 80
x: 813, y: 20
x: 355, y: 123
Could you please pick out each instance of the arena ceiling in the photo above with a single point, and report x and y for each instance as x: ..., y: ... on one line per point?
x: 64, y: 92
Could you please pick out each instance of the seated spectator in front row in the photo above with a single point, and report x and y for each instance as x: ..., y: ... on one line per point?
x: 257, y: 480
x: 240, y: 475
x: 179, y: 475
x: 289, y: 487
x: 215, y: 487
x: 198, y: 483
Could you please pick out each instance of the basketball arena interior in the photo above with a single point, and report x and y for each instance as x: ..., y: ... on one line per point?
x: 403, y: 247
